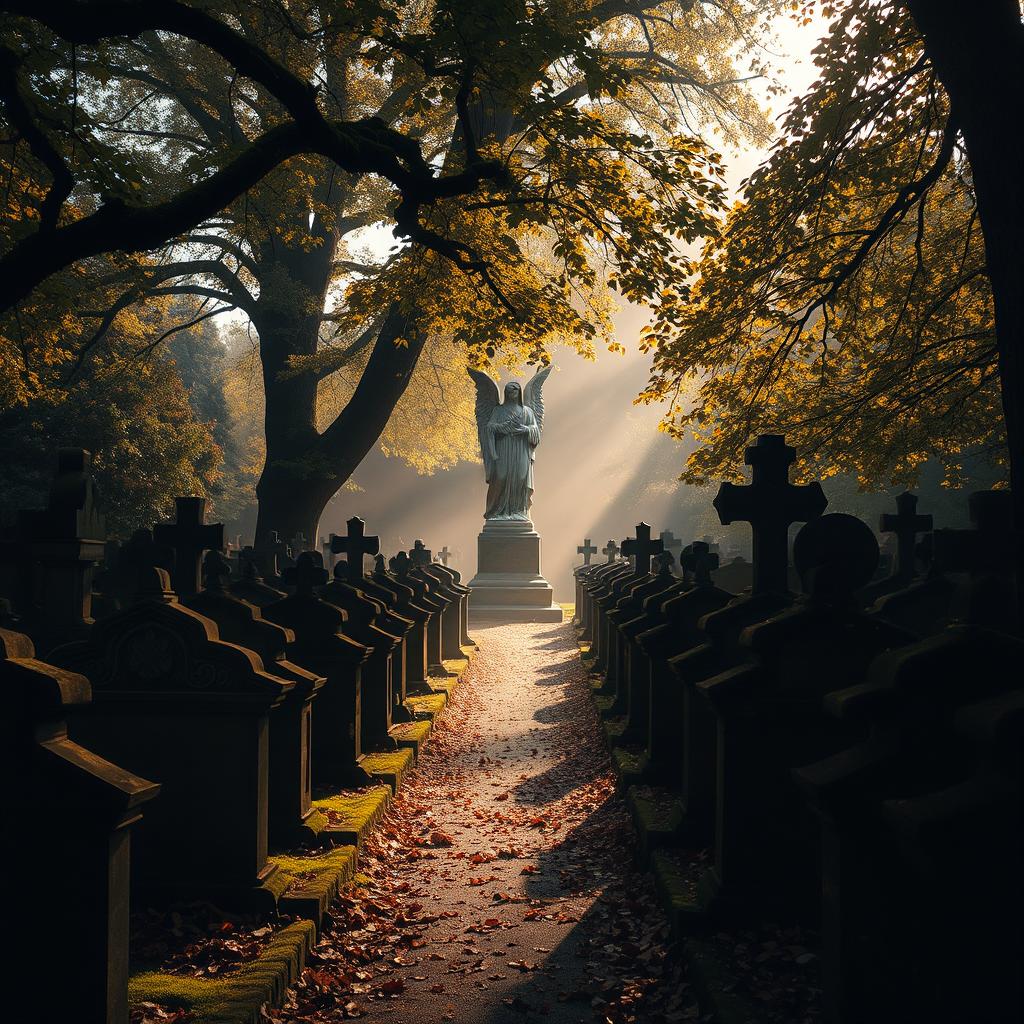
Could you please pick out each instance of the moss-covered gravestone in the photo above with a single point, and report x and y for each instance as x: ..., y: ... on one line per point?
x: 291, y: 765
x: 176, y: 704
x: 363, y: 616
x: 321, y: 647
x: 65, y: 543
x: 68, y: 945
x: 442, y: 589
x: 420, y: 617
x: 426, y: 596
x: 453, y: 578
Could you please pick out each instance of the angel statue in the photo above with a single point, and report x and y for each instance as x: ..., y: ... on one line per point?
x: 509, y: 434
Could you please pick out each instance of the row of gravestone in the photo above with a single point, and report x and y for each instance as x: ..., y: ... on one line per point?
x: 226, y: 701
x: 847, y: 759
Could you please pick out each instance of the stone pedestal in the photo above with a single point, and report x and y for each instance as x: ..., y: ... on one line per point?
x: 508, y: 585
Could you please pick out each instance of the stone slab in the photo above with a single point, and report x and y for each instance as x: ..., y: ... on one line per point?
x: 509, y: 585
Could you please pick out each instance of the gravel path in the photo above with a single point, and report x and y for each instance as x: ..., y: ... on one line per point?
x: 501, y: 887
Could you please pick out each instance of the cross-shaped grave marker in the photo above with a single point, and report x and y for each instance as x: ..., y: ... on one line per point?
x: 610, y: 551
x: 586, y: 549
x: 641, y: 548
x: 443, y: 555
x: 770, y: 503
x: 670, y: 540
x: 305, y: 575
x: 420, y: 555
x: 190, y: 535
x: 699, y: 559
x: 906, y: 524
x: 355, y: 544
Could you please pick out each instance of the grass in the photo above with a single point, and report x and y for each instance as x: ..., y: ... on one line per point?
x: 237, y: 997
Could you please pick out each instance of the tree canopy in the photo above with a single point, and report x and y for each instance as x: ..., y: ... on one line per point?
x: 845, y: 301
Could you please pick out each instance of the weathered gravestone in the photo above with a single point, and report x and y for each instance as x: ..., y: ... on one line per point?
x: 252, y: 587
x: 426, y: 596
x: 904, y: 525
x: 770, y: 503
x: 640, y: 550
x: 586, y: 549
x: 76, y: 812
x: 321, y: 647
x: 674, y: 724
x: 372, y: 625
x: 452, y: 580
x: 922, y: 835
x: 405, y: 605
x: 632, y: 617
x: 176, y: 704
x: 291, y: 815
x: 363, y: 616
x: 611, y: 565
x: 444, y: 556
x: 452, y: 616
x: 190, y: 537
x: 770, y: 720
x: 670, y: 543
x: 65, y: 542
x: 970, y: 577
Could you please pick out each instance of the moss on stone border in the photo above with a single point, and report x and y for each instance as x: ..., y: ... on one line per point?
x: 350, y: 816
x: 237, y: 997
x: 412, y: 734
x: 390, y: 766
x: 431, y: 704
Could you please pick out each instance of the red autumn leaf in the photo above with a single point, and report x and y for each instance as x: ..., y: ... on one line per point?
x: 530, y: 869
x: 393, y: 987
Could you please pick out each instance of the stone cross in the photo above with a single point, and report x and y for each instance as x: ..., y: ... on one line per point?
x: 420, y: 555
x: 586, y: 550
x: 670, y: 540
x: 190, y: 535
x: 699, y: 559
x: 610, y: 551
x: 306, y: 574
x: 906, y: 524
x: 355, y: 544
x: 443, y: 555
x: 642, y: 548
x: 298, y: 544
x: 770, y: 503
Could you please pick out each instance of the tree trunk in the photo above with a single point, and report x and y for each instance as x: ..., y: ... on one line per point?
x: 978, y: 54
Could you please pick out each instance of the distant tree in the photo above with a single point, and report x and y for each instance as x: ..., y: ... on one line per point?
x: 129, y: 409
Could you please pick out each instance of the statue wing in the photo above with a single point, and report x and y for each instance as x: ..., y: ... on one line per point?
x: 533, y: 395
x: 486, y: 403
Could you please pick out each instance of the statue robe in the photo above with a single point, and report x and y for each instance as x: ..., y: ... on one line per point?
x: 510, y: 462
